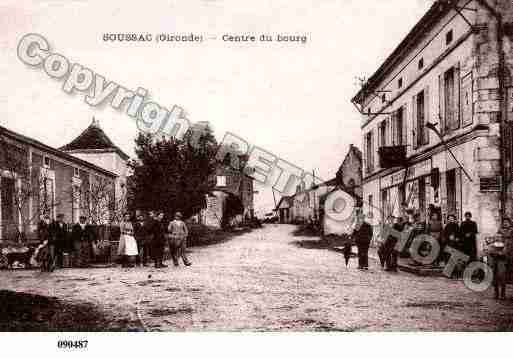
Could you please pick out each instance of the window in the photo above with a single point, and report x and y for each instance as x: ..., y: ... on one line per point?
x: 383, y: 98
x: 221, y: 181
x: 421, y: 117
x: 383, y: 133
x: 448, y: 37
x: 46, y: 162
x: 76, y: 172
x: 369, y: 152
x: 450, y: 88
x: 451, y: 192
x: 397, y: 127
x: 400, y: 83
x: 421, y: 64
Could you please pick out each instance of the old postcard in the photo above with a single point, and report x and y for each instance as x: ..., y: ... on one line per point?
x: 243, y: 166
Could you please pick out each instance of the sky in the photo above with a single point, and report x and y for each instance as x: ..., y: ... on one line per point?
x: 291, y: 99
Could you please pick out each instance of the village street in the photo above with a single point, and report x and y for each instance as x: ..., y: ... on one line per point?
x: 268, y: 279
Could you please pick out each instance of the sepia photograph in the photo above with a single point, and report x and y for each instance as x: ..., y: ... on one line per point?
x: 222, y: 166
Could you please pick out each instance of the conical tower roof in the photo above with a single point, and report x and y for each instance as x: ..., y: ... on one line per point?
x: 93, y: 138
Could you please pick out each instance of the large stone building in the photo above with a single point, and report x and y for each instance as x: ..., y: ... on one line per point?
x: 38, y: 180
x: 452, y: 70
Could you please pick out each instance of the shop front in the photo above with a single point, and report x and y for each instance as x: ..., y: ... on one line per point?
x: 420, y: 192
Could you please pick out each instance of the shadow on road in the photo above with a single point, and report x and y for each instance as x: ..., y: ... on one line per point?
x: 22, y: 312
x: 205, y: 237
x: 305, y: 231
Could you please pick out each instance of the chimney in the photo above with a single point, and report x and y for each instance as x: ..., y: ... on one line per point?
x: 95, y: 123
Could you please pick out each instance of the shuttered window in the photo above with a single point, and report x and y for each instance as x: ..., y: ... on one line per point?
x: 449, y: 83
x: 369, y: 152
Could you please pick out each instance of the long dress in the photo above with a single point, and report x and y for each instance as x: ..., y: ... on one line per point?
x: 127, y: 242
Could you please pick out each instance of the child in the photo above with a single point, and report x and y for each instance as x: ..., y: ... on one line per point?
x: 501, y: 254
x: 498, y: 263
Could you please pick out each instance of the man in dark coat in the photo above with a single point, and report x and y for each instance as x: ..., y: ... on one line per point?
x: 82, y: 238
x: 159, y: 230
x: 47, y: 255
x: 59, y: 234
x: 469, y: 231
x: 143, y: 236
x: 362, y: 235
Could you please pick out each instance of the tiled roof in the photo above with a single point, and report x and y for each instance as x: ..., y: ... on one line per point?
x: 93, y: 138
x: 37, y: 144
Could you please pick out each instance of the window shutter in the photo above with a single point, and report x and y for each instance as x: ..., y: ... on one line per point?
x: 390, y: 123
x: 427, y: 103
x: 372, y: 149
x: 414, y: 121
x: 405, y: 125
x: 457, y: 90
x: 365, y: 155
x: 393, y: 123
x: 441, y: 104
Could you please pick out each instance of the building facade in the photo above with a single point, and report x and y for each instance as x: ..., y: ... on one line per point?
x: 307, y: 203
x: 38, y: 180
x: 228, y: 182
x: 94, y: 146
x: 453, y: 72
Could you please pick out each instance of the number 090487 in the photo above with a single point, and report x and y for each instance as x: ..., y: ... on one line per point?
x: 72, y: 344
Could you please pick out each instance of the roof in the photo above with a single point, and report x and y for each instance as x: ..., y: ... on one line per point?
x: 435, y: 12
x: 93, y: 138
x: 32, y: 142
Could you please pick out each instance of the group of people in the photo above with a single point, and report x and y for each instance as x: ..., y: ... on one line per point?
x: 460, y: 236
x: 145, y: 239
x: 141, y: 240
x: 56, y: 241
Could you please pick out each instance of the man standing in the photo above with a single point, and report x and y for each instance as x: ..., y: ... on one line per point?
x: 142, y: 231
x: 59, y: 233
x: 159, y: 230
x: 469, y: 231
x: 47, y: 258
x: 363, y: 236
x: 178, y: 242
x: 81, y: 235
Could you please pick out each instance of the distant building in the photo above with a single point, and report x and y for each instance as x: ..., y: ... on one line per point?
x: 38, y: 180
x: 284, y: 209
x: 307, y: 204
x: 228, y: 182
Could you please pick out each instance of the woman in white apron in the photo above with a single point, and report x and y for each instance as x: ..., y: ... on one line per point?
x: 127, y: 249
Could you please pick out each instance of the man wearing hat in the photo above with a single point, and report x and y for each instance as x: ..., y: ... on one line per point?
x: 178, y: 240
x: 59, y: 234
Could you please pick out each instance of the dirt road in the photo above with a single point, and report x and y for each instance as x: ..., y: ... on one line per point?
x: 266, y: 280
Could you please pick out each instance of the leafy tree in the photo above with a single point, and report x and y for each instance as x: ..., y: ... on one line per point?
x: 173, y: 174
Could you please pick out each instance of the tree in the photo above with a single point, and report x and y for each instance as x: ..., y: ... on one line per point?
x: 173, y: 174
x: 97, y: 202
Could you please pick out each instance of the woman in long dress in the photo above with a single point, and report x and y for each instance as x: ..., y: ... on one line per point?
x: 127, y: 249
